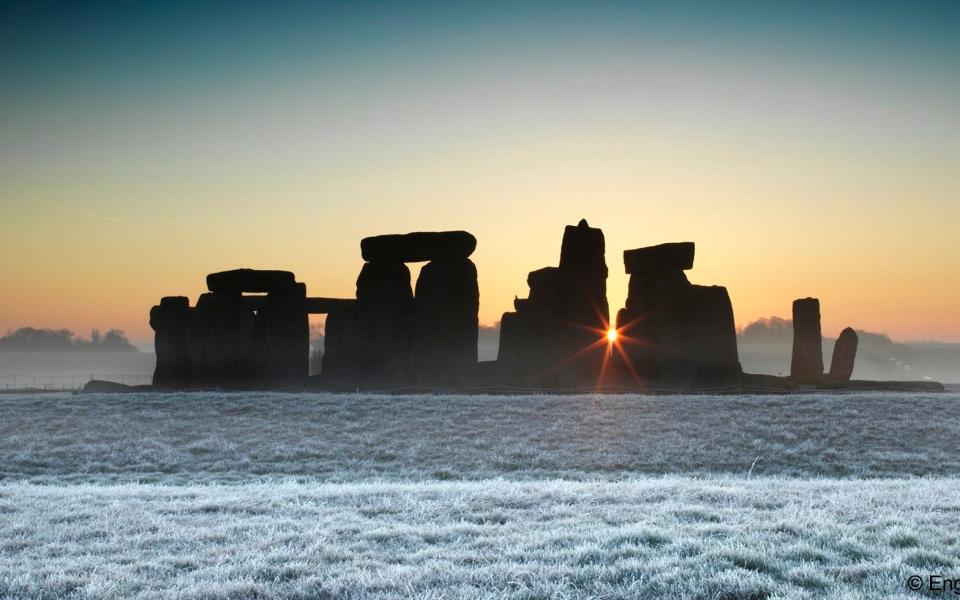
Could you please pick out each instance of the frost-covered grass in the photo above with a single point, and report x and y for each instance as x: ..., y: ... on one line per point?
x: 654, y: 537
x: 346, y: 496
x: 223, y: 438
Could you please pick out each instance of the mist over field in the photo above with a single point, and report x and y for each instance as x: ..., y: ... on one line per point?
x: 70, y: 370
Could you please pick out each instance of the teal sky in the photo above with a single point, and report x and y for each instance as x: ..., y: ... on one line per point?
x: 809, y: 149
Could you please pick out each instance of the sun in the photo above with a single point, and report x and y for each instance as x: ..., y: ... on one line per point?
x: 611, y: 335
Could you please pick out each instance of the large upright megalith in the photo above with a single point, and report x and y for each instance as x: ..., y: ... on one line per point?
x: 673, y: 331
x: 582, y: 277
x: 383, y: 324
x: 282, y: 336
x: 171, y: 321
x: 222, y: 347
x: 445, y: 327
x: 341, y: 349
x: 806, y: 364
x: 582, y: 310
x: 428, y: 339
x: 557, y: 335
x: 844, y: 356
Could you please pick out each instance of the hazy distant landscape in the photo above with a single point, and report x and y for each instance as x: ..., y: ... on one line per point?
x: 764, y: 346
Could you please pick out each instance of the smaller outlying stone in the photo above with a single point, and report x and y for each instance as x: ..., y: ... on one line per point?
x: 254, y: 281
x: 844, y: 356
x: 806, y: 363
x: 420, y: 246
x: 677, y: 256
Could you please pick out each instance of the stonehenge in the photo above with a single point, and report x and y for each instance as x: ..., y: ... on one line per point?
x: 250, y: 330
x: 232, y: 340
x: 674, y: 331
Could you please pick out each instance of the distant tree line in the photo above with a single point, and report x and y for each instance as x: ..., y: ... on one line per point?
x: 776, y: 330
x: 32, y: 339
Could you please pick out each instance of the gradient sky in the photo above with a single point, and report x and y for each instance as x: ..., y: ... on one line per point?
x: 808, y: 150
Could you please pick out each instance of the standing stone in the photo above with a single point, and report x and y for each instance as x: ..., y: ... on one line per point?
x: 171, y: 322
x: 844, y: 355
x: 673, y: 331
x: 222, y: 350
x: 282, y: 337
x: 447, y: 299
x: 341, y: 349
x: 528, y: 346
x: 711, y: 343
x: 383, y: 319
x: 544, y: 287
x: 582, y: 279
x: 582, y: 311
x: 557, y: 337
x: 806, y: 365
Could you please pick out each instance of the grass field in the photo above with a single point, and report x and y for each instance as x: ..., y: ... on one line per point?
x: 326, y: 496
x: 223, y: 438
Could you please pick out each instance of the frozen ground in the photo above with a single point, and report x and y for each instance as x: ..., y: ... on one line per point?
x: 206, y: 438
x: 322, y: 496
x: 654, y: 537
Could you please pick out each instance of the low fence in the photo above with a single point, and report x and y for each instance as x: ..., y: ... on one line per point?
x: 67, y: 382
